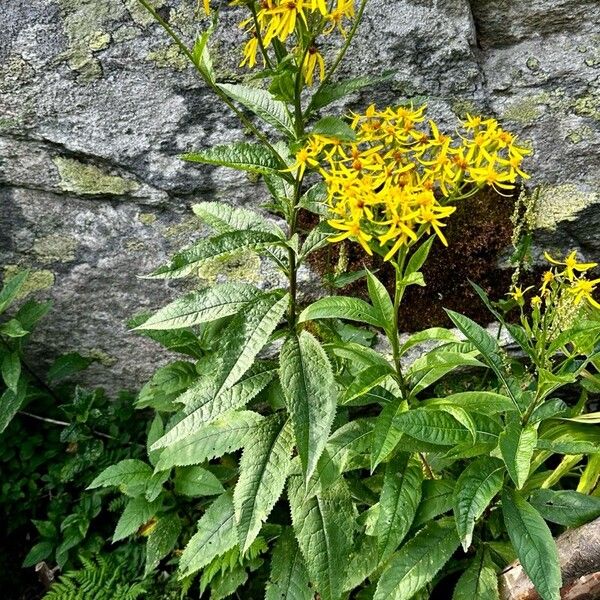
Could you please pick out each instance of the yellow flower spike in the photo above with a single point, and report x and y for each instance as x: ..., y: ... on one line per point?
x: 571, y: 265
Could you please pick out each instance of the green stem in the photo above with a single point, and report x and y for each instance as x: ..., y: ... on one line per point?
x: 212, y: 85
x: 261, y: 44
x: 395, y: 334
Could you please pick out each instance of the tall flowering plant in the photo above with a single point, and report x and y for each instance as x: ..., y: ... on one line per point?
x: 396, y: 473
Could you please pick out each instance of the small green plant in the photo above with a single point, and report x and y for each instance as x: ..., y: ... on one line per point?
x: 308, y: 461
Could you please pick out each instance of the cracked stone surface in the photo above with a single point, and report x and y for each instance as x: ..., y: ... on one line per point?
x: 96, y: 105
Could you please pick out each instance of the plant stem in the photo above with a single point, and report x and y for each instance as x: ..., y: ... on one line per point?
x: 395, y: 339
x: 261, y: 44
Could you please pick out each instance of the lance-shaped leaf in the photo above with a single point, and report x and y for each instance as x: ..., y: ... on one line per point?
x: 206, y: 305
x: 161, y: 540
x: 261, y: 103
x: 398, y: 505
x: 204, y: 403
x: 365, y: 381
x: 381, y: 301
x: 532, y: 540
x: 341, y: 307
x: 130, y: 475
x: 323, y: 526
x: 433, y: 426
x: 11, y: 370
x: 516, y: 446
x: 487, y: 403
x: 223, y: 217
x: 386, y: 434
x: 264, y: 467
x: 418, y: 561
x: 220, y: 246
x: 289, y: 577
x: 226, y: 434
x: 440, y: 334
x: 334, y: 127
x: 216, y: 534
x: 137, y: 512
x: 479, y: 581
x: 566, y: 507
x: 309, y: 387
x: 11, y: 288
x: 242, y: 156
x: 437, y: 499
x: 475, y: 489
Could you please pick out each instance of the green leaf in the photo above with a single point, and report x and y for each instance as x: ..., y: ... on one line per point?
x: 242, y: 156
x: 334, y: 127
x: 341, y: 307
x: 262, y: 103
x: 323, y: 526
x: 486, y: 403
x: 162, y: 540
x: 309, y: 388
x: 264, y: 467
x: 201, y: 54
x: 387, y: 434
x: 138, y: 511
x: 10, y: 403
x: 129, y: 475
x: 489, y: 349
x: 31, y: 312
x: 216, y: 535
x: 11, y: 288
x: 226, y: 244
x: 13, y: 329
x: 433, y: 426
x: 365, y: 381
x: 568, y: 437
x: 166, y: 384
x: 533, y: 543
x: 11, y: 370
x: 437, y: 499
x: 228, y: 433
x: 206, y: 305
x: 334, y: 91
x: 41, y: 551
x: 223, y: 218
x: 475, y: 489
x: 196, y: 481
x: 516, y: 446
x: 289, y: 577
x: 67, y: 365
x: 479, y: 581
x: 418, y: 561
x: 427, y: 335
x: 417, y: 260
x: 381, y: 302
x: 565, y: 507
x: 398, y: 505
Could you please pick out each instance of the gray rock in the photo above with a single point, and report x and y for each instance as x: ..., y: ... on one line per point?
x: 96, y: 105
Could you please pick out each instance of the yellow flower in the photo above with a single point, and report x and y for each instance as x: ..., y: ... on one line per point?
x: 571, y: 265
x: 583, y: 289
x: 311, y: 60
x: 517, y: 293
x: 536, y: 302
x: 250, y: 51
x: 547, y: 278
x: 353, y: 230
x: 207, y: 6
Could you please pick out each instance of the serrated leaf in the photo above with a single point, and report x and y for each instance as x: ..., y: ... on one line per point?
x: 223, y: 217
x: 487, y: 403
x: 129, y: 475
x: 433, y: 426
x: 334, y: 127
x: 437, y: 498
x: 162, y: 540
x: 309, y: 388
x: 516, y: 446
x: 13, y: 329
x: 533, y: 543
x: 341, y: 307
x: 137, y: 512
x: 386, y: 434
x: 226, y: 434
x: 264, y: 468
x: 489, y: 349
x: 196, y: 481
x: 366, y: 380
x: 166, y: 384
x: 479, y: 581
x: 223, y: 245
x: 400, y: 498
x: 440, y: 334
x: 11, y: 288
x: 242, y: 156
x: 381, y: 301
x: 216, y: 535
x: 261, y: 103
x: 475, y: 489
x: 67, y: 365
x: 11, y: 370
x: 565, y: 507
x: 323, y: 526
x: 289, y: 577
x: 418, y: 561
x: 10, y: 403
x: 38, y: 553
x: 206, y: 305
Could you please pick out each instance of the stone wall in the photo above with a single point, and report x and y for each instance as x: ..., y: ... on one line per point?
x: 96, y: 105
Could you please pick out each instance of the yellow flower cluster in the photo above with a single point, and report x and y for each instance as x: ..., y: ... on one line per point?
x: 392, y: 184
x: 280, y: 19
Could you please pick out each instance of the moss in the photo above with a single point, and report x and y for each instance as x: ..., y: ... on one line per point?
x: 38, y: 280
x: 169, y: 57
x: 581, y: 134
x: 461, y: 107
x: 533, y: 64
x: 139, y: 14
x: 85, y: 179
x: 147, y: 218
x: 588, y: 106
x: 98, y: 41
x: 125, y: 33
x: 185, y: 228
x: 525, y: 111
x: 135, y: 245
x: 241, y: 267
x: 55, y: 248
x: 102, y: 357
x: 561, y: 203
